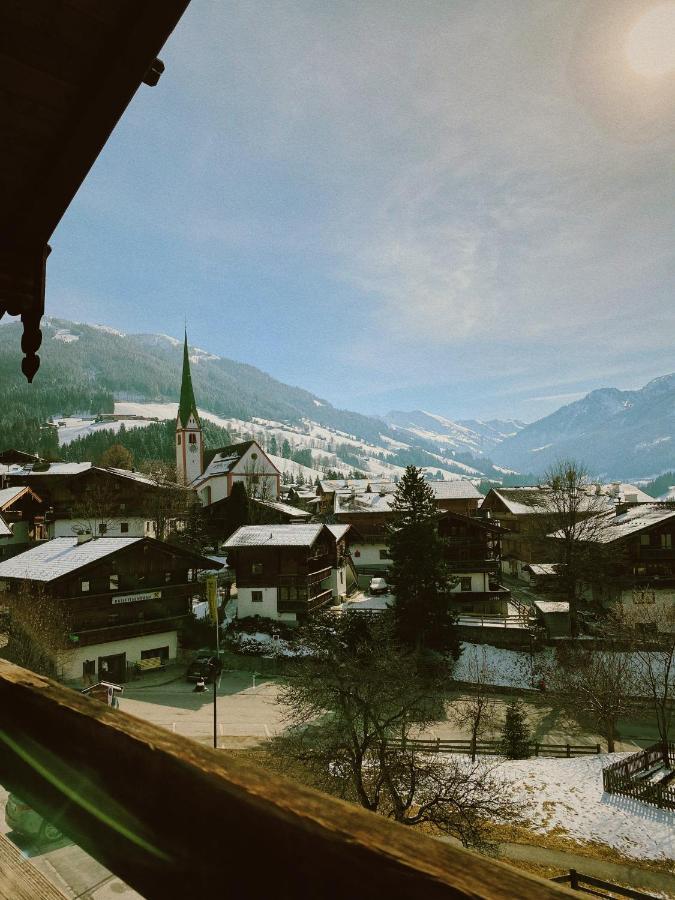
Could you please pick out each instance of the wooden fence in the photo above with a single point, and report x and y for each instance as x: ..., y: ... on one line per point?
x: 493, y: 748
x: 579, y: 882
x: 632, y: 777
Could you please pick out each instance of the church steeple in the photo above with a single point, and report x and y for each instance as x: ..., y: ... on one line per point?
x: 189, y: 437
x: 187, y: 405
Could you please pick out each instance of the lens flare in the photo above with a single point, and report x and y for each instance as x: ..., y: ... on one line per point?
x: 650, y: 47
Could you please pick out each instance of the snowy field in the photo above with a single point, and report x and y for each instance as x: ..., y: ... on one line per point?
x: 507, y: 668
x: 566, y: 796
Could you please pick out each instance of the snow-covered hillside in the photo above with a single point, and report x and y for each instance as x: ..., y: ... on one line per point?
x: 328, y: 447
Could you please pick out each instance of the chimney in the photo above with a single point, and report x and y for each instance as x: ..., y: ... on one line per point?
x: 84, y: 537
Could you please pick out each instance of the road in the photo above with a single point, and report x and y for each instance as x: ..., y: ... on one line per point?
x: 68, y: 867
x: 248, y: 714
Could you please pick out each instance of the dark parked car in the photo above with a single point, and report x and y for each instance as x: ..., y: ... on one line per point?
x: 23, y: 819
x: 206, y: 667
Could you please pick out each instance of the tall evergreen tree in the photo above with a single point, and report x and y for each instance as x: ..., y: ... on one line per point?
x: 419, y: 576
x: 273, y: 447
x: 286, y: 449
x: 515, y: 742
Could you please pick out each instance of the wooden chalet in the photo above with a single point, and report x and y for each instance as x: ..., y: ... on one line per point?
x: 81, y: 497
x: 113, y: 601
x: 283, y: 572
x: 473, y: 554
x: 22, y: 519
x: 638, y: 545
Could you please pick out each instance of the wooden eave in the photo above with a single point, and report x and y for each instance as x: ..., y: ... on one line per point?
x: 68, y: 70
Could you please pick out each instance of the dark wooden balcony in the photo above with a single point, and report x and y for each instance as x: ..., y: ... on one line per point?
x: 305, y: 606
x: 158, y: 810
x: 277, y: 579
x: 84, y: 637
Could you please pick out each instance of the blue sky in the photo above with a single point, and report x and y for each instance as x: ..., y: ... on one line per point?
x: 465, y: 207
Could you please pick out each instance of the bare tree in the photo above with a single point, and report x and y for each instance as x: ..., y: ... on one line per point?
x: 597, y: 684
x: 353, y: 703
x: 476, y: 711
x: 650, y: 633
x: 94, y: 510
x: 575, y: 512
x: 167, y: 505
x: 39, y: 629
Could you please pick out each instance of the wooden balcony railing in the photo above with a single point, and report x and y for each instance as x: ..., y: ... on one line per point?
x: 176, y: 819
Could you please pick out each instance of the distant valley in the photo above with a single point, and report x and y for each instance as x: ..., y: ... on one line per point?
x: 89, y: 371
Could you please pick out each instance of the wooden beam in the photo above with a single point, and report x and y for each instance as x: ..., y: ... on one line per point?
x: 176, y: 819
x: 133, y: 48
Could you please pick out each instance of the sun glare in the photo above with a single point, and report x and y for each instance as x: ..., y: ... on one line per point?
x: 651, y: 42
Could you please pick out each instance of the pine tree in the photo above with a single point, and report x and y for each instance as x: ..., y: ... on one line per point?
x: 286, y: 449
x: 238, y: 512
x: 273, y: 448
x: 515, y: 743
x: 419, y: 576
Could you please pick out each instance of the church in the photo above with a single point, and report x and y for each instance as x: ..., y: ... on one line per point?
x: 245, y: 462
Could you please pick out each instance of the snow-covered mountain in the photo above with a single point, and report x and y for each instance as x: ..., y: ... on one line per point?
x: 464, y: 436
x: 616, y: 434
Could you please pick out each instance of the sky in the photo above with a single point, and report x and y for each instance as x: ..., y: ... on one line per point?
x: 464, y: 206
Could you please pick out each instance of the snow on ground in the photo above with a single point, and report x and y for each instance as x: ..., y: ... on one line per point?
x: 508, y: 668
x: 566, y: 795
x: 73, y: 428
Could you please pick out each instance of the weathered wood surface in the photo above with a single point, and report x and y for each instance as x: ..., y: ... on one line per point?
x: 19, y: 879
x: 177, y: 819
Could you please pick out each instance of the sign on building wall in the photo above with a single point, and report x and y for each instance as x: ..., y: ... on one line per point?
x: 137, y: 598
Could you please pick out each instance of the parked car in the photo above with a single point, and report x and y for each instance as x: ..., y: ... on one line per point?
x: 23, y: 819
x: 378, y: 586
x: 206, y: 667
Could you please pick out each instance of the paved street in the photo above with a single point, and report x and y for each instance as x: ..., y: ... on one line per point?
x: 247, y: 714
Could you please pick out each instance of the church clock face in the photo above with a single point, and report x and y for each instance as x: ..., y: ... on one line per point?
x: 193, y: 448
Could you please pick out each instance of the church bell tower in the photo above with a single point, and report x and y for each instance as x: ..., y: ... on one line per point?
x: 189, y: 437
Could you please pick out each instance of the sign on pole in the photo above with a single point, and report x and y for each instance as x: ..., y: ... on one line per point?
x: 212, y: 597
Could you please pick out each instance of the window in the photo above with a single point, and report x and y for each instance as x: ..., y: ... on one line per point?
x: 178, y: 439
x: 158, y: 653
x: 124, y: 527
x: 192, y: 438
x: 645, y: 540
x: 256, y: 596
x: 256, y: 568
x: 384, y: 554
x: 102, y: 528
x: 465, y: 583
x: 114, y: 582
x: 84, y: 586
x: 666, y: 542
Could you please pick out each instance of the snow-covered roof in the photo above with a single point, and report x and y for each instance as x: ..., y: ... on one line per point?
x: 7, y: 495
x: 60, y: 557
x: 363, y: 503
x: 621, y: 492
x: 543, y: 568
x: 552, y: 606
x: 284, y: 508
x: 534, y: 499
x: 274, y: 536
x: 5, y: 530
x: 133, y: 476
x: 338, y: 531
x: 459, y: 489
x: 58, y: 468
x: 610, y: 527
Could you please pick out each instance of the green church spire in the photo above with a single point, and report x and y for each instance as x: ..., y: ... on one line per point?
x: 187, y: 404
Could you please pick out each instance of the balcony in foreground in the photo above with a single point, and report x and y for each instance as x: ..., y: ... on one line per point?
x: 173, y: 818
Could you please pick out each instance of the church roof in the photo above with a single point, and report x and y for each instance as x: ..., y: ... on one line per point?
x: 187, y: 405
